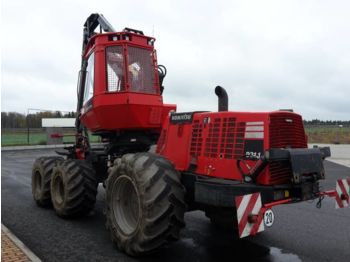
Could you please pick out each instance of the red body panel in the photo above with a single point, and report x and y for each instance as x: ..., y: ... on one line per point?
x: 115, y: 111
x: 215, y: 143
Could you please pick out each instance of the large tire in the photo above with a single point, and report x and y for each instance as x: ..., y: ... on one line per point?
x: 73, y: 188
x: 145, y: 203
x: 41, y: 179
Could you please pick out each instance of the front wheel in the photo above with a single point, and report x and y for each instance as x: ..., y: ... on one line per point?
x: 145, y: 203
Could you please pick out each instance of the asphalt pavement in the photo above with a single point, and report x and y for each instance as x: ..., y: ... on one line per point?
x: 301, y: 232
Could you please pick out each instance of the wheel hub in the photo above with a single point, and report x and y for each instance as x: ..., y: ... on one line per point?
x: 126, y: 204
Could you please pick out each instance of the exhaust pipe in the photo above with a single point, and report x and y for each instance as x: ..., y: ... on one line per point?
x: 223, y: 98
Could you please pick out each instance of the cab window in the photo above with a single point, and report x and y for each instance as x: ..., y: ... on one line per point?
x: 141, y: 70
x: 115, y: 69
x: 89, y: 80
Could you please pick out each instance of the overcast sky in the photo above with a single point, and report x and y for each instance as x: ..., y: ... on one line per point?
x: 267, y: 54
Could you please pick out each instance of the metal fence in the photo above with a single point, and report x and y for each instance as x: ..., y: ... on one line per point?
x: 31, y: 136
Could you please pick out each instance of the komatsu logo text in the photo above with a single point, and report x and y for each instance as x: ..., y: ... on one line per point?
x: 178, y: 118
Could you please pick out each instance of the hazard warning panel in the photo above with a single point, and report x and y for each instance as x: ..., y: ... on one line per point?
x: 342, y: 193
x: 250, y: 214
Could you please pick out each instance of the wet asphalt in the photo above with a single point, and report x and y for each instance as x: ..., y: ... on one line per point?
x: 301, y: 232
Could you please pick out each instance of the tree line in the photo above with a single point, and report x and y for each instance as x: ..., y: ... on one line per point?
x: 317, y: 122
x: 18, y: 120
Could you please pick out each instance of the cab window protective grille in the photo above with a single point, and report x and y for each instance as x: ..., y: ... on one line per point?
x: 115, y: 69
x: 141, y: 71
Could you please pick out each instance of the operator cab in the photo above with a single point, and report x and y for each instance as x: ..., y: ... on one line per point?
x: 123, y: 83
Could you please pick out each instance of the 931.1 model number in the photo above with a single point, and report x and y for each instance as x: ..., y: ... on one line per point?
x: 252, y: 155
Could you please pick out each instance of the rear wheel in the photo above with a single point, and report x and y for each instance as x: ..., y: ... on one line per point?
x: 145, y: 203
x: 41, y: 179
x: 73, y: 188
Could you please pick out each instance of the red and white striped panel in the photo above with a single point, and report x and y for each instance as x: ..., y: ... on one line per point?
x: 249, y: 205
x: 342, y: 197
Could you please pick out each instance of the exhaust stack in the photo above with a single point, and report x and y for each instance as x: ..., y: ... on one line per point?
x: 223, y: 98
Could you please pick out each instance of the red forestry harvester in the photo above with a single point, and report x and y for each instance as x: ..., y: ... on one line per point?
x: 234, y: 166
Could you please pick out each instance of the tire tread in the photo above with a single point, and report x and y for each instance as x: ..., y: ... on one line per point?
x: 81, y: 188
x: 162, y: 206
